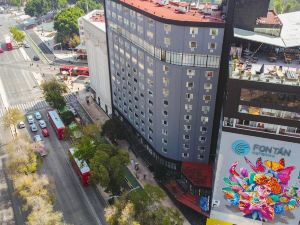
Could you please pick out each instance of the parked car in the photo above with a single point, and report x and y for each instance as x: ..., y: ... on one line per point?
x: 45, y: 132
x: 42, y: 123
x: 21, y: 125
x: 33, y: 128
x: 26, y: 45
x: 37, y: 138
x: 40, y: 149
x: 30, y: 119
x: 36, y: 58
x: 1, y: 50
x: 38, y: 115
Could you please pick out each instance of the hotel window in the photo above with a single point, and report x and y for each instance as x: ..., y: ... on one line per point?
x: 190, y: 72
x: 209, y: 74
x: 200, y: 156
x: 189, y: 85
x: 150, y: 138
x: 213, y: 61
x: 120, y: 18
x: 185, y: 155
x: 165, y: 123
x: 166, y: 81
x: 213, y: 31
x: 164, y: 141
x: 164, y: 150
x: 150, y: 72
x: 202, y: 139
x: 150, y: 121
x: 167, y: 41
x: 193, y: 30
x: 207, y: 86
x: 187, y: 118
x: 167, y: 28
x: 165, y: 113
x: 203, y: 129
x: 150, y: 34
x: 133, y: 25
x: 143, y: 115
x: 166, y: 102
x: 176, y: 58
x: 205, y: 109
x: 187, y: 127
x: 141, y: 76
x: 193, y: 44
x: 150, y: 22
x: 186, y: 137
x: 164, y: 132
x: 189, y: 96
x: 149, y: 60
x: 134, y: 61
x: 206, y: 98
x: 150, y: 93
x: 133, y: 50
x: 150, y: 112
x: 150, y: 82
x: 141, y: 65
x: 165, y: 68
x: 150, y: 102
x: 165, y: 92
x: 204, y: 119
x: 212, y: 45
x: 201, y: 149
x: 125, y: 21
x: 140, y: 29
x: 188, y: 59
x: 186, y: 146
x: 188, y: 107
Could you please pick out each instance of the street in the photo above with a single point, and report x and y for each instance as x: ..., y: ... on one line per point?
x: 19, y: 87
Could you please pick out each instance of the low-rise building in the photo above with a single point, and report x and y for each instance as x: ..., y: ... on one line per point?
x: 93, y: 38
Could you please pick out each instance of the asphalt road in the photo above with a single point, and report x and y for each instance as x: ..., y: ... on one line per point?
x: 18, y: 85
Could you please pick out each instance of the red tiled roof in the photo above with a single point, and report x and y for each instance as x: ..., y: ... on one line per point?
x: 271, y: 18
x: 169, y: 11
x: 199, y: 174
x: 97, y: 18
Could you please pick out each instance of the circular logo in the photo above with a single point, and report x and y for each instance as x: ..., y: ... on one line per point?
x: 240, y: 147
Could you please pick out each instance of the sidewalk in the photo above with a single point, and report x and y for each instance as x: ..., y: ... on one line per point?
x: 99, y: 117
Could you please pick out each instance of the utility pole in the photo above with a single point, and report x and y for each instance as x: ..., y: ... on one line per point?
x: 87, y: 6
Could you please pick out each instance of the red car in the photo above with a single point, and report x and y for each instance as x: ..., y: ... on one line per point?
x: 1, y: 50
x: 45, y: 132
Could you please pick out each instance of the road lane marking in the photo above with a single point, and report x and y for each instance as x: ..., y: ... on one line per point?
x: 3, y: 94
x: 26, y: 57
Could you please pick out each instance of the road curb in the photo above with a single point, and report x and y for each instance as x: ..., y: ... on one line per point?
x: 40, y: 51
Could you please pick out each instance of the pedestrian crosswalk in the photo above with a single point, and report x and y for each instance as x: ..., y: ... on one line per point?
x: 36, y: 105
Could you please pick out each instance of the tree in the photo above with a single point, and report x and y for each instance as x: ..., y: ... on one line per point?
x: 66, y: 24
x: 11, y: 117
x: 21, y: 157
x: 58, y: 4
x: 88, y: 5
x: 53, y: 92
x: 18, y: 35
x: 74, y: 41
x: 114, y: 129
x: 67, y: 117
x: 37, y: 7
x: 85, y: 148
x: 142, y: 206
x: 283, y: 6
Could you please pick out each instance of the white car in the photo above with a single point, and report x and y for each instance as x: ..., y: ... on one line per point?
x: 21, y: 125
x: 33, y: 128
x: 30, y: 119
x: 38, y: 115
x: 42, y: 123
x: 37, y: 138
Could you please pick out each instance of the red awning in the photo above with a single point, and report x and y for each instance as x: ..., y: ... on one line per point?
x: 198, y: 174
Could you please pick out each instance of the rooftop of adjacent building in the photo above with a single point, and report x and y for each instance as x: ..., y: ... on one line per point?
x: 96, y: 17
x: 179, y: 11
x: 271, y: 19
x: 289, y: 34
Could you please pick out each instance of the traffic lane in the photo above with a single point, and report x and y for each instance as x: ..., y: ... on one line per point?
x: 68, y: 192
x: 19, y: 85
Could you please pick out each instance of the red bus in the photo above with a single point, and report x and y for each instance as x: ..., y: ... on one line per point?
x: 81, y: 168
x: 75, y: 70
x: 56, y: 123
x: 8, y: 43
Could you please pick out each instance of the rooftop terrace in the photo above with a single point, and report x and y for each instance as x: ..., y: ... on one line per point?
x: 280, y: 68
x: 179, y: 11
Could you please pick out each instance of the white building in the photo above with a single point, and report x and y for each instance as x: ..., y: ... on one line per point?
x: 93, y: 37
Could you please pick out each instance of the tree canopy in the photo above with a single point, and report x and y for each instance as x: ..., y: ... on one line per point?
x: 66, y: 24
x: 142, y: 206
x: 113, y: 129
x: 18, y: 35
x: 88, y: 5
x: 53, y: 91
x: 11, y: 117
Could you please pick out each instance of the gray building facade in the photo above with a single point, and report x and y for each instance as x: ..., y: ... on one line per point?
x: 164, y: 77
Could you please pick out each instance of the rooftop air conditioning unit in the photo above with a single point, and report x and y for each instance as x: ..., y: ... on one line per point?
x: 183, y: 7
x: 162, y: 2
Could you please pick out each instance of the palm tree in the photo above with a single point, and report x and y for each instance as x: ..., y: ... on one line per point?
x: 11, y: 117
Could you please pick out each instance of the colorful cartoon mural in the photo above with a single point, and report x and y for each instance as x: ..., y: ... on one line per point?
x: 263, y: 192
x: 257, y: 183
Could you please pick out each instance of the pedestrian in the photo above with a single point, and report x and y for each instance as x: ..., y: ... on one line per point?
x: 145, y: 176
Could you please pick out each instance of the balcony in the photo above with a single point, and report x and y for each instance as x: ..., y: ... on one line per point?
x: 279, y: 68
